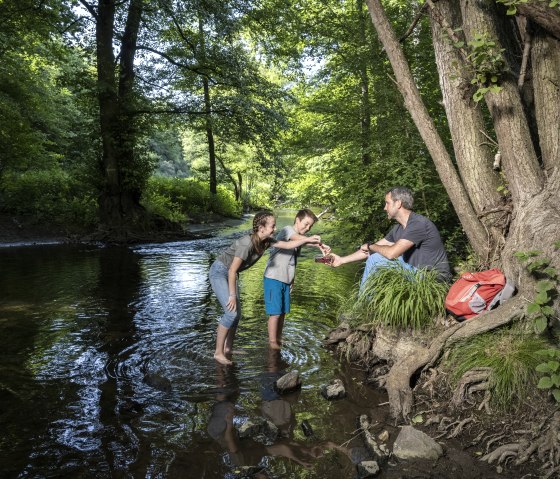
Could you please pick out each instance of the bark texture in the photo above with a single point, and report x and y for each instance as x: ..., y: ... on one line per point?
x: 473, y: 152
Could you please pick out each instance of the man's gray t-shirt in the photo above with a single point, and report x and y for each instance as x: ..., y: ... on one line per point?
x: 281, y: 264
x: 242, y: 248
x: 428, y: 250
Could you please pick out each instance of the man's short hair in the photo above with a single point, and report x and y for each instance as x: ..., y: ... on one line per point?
x: 402, y: 194
x: 306, y: 212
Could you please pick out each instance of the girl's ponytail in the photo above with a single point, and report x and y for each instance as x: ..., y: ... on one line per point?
x: 260, y: 219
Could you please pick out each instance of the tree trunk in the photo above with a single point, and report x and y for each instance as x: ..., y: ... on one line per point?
x: 473, y: 152
x: 473, y: 227
x: 519, y: 159
x: 365, y: 120
x: 208, y: 111
x: 119, y: 199
x: 545, y: 60
x: 536, y: 220
x: 540, y: 13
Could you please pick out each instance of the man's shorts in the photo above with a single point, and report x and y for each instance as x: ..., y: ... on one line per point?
x: 276, y: 297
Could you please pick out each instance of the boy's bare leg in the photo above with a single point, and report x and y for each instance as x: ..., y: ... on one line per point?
x: 275, y: 326
x: 221, y: 337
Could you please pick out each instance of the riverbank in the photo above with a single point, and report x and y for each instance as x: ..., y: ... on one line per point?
x: 22, y: 231
x: 521, y: 442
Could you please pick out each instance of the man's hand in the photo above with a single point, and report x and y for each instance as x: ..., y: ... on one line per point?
x: 365, y: 248
x: 336, y: 261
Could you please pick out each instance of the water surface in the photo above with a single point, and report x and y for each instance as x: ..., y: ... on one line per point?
x: 106, y: 368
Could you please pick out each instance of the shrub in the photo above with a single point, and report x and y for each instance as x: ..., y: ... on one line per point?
x: 178, y: 198
x: 399, y: 298
x: 511, y: 354
x: 49, y: 196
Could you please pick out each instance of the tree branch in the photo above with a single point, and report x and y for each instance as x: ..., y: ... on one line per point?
x: 414, y: 23
x: 90, y: 9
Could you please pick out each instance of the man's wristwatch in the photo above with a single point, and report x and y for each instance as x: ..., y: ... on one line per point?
x: 368, y: 247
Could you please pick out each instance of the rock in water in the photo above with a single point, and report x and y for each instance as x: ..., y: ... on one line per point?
x: 288, y: 382
x: 334, y: 390
x: 157, y: 382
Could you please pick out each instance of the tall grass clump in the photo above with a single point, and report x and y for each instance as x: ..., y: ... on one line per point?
x: 512, y: 356
x: 399, y: 298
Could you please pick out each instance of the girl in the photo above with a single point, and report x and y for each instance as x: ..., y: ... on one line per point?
x: 242, y: 254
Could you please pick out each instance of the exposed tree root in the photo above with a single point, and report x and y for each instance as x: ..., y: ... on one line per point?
x: 547, y: 446
x: 502, y: 453
x: 472, y: 381
x: 398, y: 379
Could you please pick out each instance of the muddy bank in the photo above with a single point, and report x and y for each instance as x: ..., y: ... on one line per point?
x: 520, y: 443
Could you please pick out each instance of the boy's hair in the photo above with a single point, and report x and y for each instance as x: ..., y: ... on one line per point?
x: 260, y: 219
x: 402, y: 194
x: 306, y: 212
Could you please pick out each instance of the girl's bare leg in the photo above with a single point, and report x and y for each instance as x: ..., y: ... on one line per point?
x: 221, y: 337
x: 228, y: 346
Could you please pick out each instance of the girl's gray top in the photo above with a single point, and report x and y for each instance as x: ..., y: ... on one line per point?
x: 242, y: 248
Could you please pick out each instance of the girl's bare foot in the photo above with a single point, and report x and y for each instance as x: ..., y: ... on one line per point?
x: 274, y: 345
x: 222, y: 359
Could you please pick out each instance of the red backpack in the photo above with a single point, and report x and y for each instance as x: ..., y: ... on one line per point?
x: 474, y: 293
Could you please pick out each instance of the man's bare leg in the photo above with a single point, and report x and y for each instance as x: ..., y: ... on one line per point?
x: 221, y: 337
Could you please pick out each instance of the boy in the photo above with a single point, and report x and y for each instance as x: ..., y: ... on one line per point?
x: 280, y: 272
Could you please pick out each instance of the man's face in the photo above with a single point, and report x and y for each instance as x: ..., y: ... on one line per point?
x: 391, y: 207
x: 304, y: 225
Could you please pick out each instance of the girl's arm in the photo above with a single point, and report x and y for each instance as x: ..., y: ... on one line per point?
x: 296, y: 243
x: 232, y: 283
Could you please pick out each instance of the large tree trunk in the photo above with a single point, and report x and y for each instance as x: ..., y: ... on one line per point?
x: 519, y: 159
x: 119, y: 199
x: 473, y: 227
x: 473, y: 152
x: 545, y: 60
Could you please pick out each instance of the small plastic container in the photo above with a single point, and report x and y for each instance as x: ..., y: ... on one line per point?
x: 327, y: 259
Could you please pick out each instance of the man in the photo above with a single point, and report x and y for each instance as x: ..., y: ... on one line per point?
x: 414, y: 241
x: 279, y: 274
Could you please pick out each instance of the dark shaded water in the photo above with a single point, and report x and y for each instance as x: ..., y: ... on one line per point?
x: 106, y: 370
x: 106, y: 366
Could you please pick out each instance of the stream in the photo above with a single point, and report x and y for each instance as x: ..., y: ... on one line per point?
x: 106, y: 367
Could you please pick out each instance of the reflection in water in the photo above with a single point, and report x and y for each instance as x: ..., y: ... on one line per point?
x: 107, y: 369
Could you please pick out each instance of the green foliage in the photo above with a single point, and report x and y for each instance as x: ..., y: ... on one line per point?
x: 488, y: 63
x: 49, y: 195
x: 512, y: 4
x: 177, y: 199
x: 512, y: 356
x: 396, y: 297
x: 551, y: 371
x: 541, y: 308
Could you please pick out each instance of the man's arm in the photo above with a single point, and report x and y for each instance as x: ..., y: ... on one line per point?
x: 359, y: 255
x: 388, y: 249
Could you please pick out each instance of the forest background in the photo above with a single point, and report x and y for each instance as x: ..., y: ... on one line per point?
x: 129, y: 118
x: 116, y: 113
